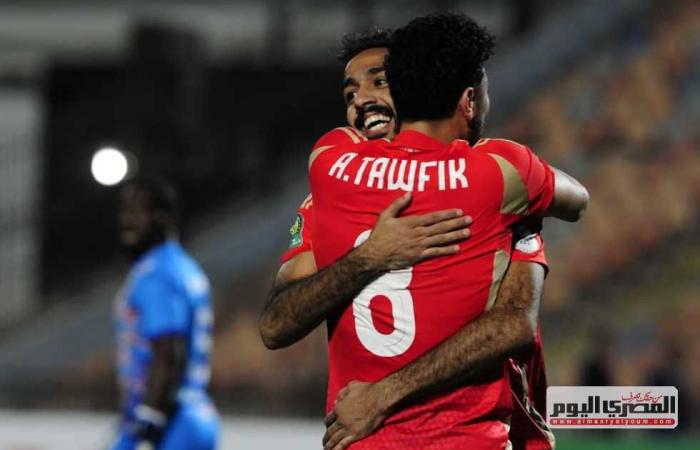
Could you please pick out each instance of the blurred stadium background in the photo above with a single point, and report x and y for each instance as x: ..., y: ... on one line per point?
x: 226, y: 97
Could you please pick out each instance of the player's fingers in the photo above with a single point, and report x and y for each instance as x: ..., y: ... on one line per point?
x: 448, y: 225
x: 426, y: 220
x: 329, y: 419
x: 398, y: 205
x: 434, y: 252
x: 345, y: 442
x: 440, y: 240
x: 334, y: 439
x: 331, y: 431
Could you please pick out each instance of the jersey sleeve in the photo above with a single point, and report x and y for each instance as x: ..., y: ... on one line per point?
x: 300, y: 231
x: 162, y: 308
x: 540, y: 184
x: 339, y: 136
x: 529, y: 181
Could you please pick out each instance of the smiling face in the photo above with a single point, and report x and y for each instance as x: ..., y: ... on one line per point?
x: 370, y: 108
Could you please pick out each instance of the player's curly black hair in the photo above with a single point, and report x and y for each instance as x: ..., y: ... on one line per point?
x: 355, y: 43
x: 432, y: 60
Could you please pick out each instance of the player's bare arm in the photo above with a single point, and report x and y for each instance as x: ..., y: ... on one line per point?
x: 509, y: 327
x: 296, y: 306
x: 570, y: 197
x: 301, y: 266
x: 165, y: 372
x: 165, y: 375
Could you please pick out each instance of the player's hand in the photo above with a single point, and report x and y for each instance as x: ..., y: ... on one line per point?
x: 357, y: 413
x: 146, y: 424
x: 399, y: 242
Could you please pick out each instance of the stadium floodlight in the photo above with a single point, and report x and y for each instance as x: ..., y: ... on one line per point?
x: 109, y: 166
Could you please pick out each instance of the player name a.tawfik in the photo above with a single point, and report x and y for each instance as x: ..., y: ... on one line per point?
x: 400, y: 174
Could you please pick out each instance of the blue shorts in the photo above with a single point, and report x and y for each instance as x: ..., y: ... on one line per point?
x: 195, y: 426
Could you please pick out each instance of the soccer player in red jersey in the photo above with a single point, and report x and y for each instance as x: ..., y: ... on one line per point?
x: 368, y: 106
x: 439, y: 87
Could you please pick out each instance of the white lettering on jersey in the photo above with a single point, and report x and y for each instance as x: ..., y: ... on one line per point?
x: 341, y: 164
x: 398, y: 181
x: 441, y: 175
x: 457, y: 174
x: 361, y: 172
x: 393, y: 286
x: 401, y: 174
x: 423, y: 176
x: 377, y: 172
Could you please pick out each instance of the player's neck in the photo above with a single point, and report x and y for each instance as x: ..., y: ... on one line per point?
x: 443, y: 130
x: 157, y: 239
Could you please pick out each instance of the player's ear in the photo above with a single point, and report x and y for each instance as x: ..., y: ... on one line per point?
x: 467, y: 103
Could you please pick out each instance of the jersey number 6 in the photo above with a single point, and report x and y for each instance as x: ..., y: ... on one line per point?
x: 394, y: 286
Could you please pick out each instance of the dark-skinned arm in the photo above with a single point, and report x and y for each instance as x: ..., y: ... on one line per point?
x: 165, y: 372
x: 483, y: 344
x: 493, y: 337
x: 570, y: 198
x: 296, y: 306
x: 163, y: 380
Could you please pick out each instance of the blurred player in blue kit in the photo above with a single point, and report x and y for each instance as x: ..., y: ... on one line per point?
x: 163, y: 321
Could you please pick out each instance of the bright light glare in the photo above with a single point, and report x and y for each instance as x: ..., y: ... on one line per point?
x: 109, y: 166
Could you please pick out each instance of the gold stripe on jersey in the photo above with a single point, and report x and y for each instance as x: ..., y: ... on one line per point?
x: 515, y: 198
x: 306, y: 204
x: 362, y: 137
x: 481, y: 141
x: 500, y: 263
x: 317, y: 152
x: 350, y: 132
x: 523, y: 399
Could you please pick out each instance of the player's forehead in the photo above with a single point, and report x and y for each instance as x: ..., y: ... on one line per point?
x: 135, y: 197
x: 366, y: 63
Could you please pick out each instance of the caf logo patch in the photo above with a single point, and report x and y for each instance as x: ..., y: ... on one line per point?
x: 295, y: 235
x: 528, y: 244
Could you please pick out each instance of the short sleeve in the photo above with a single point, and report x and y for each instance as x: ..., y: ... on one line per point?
x: 528, y: 180
x: 300, y: 231
x: 540, y: 185
x: 162, y: 308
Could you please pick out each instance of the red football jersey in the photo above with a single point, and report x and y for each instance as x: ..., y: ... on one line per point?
x: 405, y: 313
x: 528, y: 429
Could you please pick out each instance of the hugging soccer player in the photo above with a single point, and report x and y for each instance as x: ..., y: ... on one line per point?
x: 364, y: 85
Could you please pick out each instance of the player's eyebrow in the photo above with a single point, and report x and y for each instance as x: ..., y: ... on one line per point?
x: 349, y: 81
x: 375, y: 70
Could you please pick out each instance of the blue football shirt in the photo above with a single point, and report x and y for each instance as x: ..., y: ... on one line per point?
x: 166, y: 293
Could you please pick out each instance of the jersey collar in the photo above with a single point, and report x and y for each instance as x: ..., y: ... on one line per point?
x: 411, y: 140
x: 156, y: 249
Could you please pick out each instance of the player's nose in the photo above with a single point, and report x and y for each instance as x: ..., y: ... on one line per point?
x: 364, y: 98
